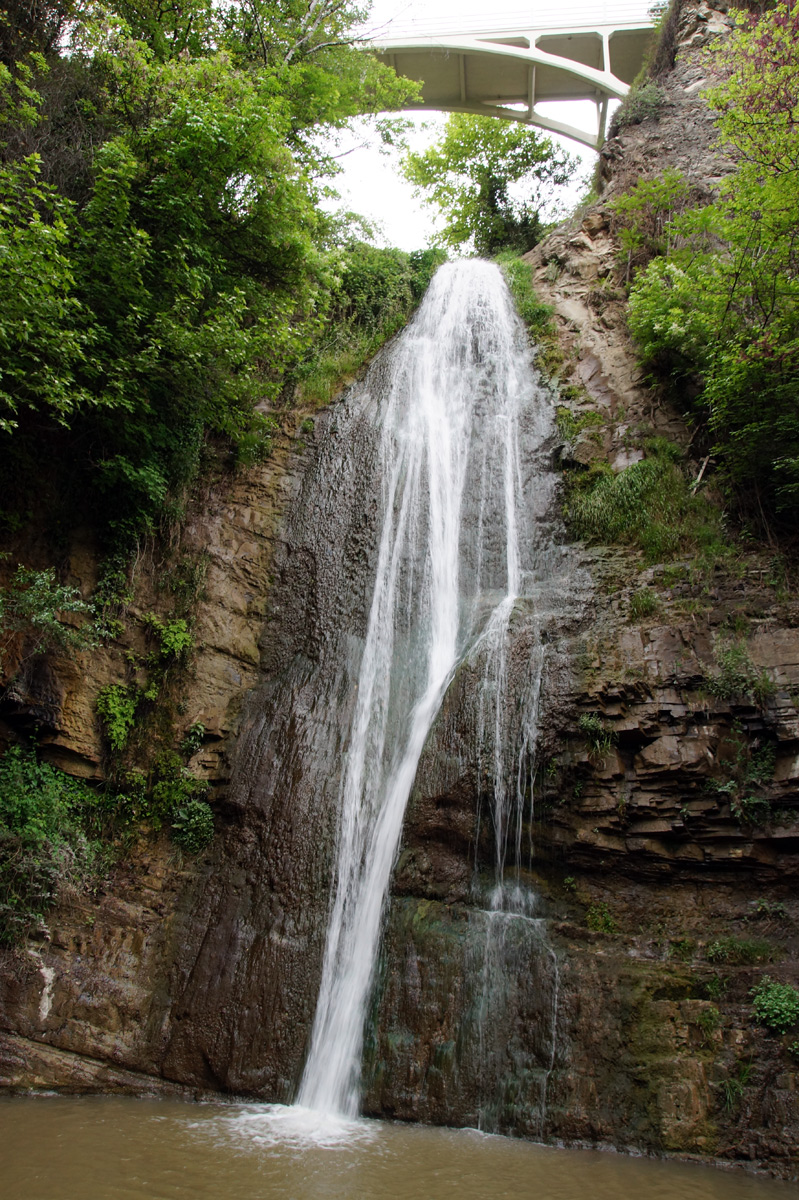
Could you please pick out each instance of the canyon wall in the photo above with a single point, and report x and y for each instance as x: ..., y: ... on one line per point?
x: 618, y: 1012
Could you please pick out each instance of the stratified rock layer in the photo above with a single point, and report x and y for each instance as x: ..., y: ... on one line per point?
x: 616, y: 1013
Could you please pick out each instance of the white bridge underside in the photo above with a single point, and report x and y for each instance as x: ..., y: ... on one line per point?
x: 508, y: 73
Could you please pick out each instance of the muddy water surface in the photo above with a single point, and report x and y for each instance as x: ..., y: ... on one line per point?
x: 109, y: 1148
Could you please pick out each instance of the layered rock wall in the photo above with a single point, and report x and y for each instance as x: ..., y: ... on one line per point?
x: 665, y: 852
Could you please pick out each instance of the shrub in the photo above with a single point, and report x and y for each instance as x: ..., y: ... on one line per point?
x: 649, y: 505
x: 740, y: 951
x: 44, y: 846
x: 599, y: 737
x: 116, y: 706
x: 536, y: 315
x: 716, y: 986
x: 751, y: 810
x: 377, y: 292
x: 570, y: 425
x: 599, y: 919
x: 642, y: 103
x: 35, y: 604
x: 193, y: 739
x: 175, y: 639
x: 708, y: 1020
x: 732, y: 1090
x: 775, y: 1005
x: 193, y: 826
x: 738, y: 677
x: 173, y: 785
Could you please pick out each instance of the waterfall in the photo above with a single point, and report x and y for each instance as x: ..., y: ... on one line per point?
x: 449, y: 577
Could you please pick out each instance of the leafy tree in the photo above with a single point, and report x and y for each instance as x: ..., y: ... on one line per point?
x: 721, y: 310
x: 42, y: 344
x: 164, y: 261
x: 468, y: 174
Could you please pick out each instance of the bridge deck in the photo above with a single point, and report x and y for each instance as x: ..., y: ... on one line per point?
x: 509, y: 72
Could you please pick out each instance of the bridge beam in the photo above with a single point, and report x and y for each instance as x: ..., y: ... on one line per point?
x: 508, y: 73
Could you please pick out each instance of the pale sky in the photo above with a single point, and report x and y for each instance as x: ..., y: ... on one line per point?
x: 370, y: 182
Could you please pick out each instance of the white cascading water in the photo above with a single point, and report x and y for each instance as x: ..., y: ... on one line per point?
x: 448, y: 576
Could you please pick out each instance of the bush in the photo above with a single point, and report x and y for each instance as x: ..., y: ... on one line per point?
x: 193, y: 739
x: 535, y: 315
x: 570, y: 425
x: 642, y: 103
x: 720, y: 310
x: 377, y: 292
x: 648, y: 505
x: 775, y: 1005
x: 599, y: 919
x: 34, y: 604
x: 738, y: 677
x: 44, y: 844
x: 740, y: 951
x: 116, y: 706
x: 193, y: 826
x: 519, y: 278
x: 175, y: 639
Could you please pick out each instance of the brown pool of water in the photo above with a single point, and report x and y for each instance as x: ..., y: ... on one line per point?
x: 114, y: 1148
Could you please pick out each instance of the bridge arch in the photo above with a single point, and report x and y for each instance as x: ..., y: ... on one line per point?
x: 508, y: 72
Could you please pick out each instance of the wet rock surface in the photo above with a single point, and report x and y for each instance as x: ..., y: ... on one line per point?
x: 664, y: 852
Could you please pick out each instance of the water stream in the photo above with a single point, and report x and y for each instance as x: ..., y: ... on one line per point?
x: 450, y: 574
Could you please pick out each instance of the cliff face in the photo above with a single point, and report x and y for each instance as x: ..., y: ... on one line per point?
x: 665, y: 852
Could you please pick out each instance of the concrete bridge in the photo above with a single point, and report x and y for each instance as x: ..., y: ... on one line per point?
x: 508, y: 72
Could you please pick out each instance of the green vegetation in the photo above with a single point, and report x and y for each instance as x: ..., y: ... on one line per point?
x: 599, y: 919
x: 716, y: 314
x: 649, y: 505
x: 33, y: 608
x: 770, y: 909
x: 535, y: 315
x: 570, y: 425
x: 643, y: 604
x: 747, y: 770
x: 373, y: 298
x: 193, y: 826
x: 643, y: 103
x: 600, y: 739
x: 717, y: 986
x: 59, y: 834
x: 708, y: 1020
x: 165, y: 265
x: 643, y: 217
x: 740, y: 952
x: 116, y: 707
x: 775, y: 1005
x: 175, y: 639
x: 47, y: 843
x: 468, y: 175
x: 732, y: 1090
x: 193, y: 739
x: 645, y: 98
x: 738, y: 677
x: 682, y: 948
